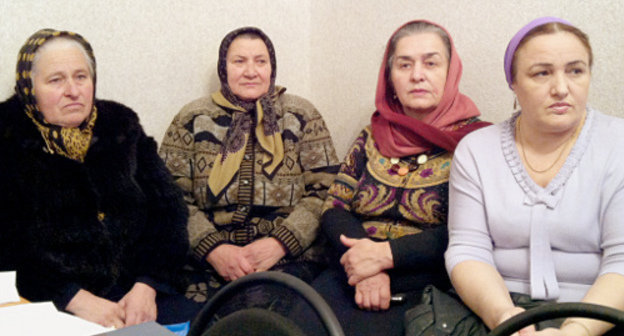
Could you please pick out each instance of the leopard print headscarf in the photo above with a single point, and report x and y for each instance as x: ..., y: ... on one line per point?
x: 71, y: 142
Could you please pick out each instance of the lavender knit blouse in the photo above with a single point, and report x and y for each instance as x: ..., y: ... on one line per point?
x: 552, y: 242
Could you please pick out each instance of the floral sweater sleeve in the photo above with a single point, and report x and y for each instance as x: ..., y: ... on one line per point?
x: 338, y: 217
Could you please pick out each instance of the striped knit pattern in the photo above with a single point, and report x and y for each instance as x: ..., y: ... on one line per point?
x: 245, y: 189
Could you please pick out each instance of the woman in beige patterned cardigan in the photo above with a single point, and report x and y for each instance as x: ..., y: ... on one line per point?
x: 255, y: 164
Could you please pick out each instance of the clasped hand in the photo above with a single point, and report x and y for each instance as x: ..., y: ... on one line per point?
x: 137, y: 306
x: 373, y: 293
x: 364, y: 263
x: 365, y: 258
x: 233, y: 262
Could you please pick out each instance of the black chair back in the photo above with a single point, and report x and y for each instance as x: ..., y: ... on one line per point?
x: 558, y: 310
x: 253, y: 321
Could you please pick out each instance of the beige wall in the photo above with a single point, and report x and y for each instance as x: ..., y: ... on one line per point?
x: 157, y: 55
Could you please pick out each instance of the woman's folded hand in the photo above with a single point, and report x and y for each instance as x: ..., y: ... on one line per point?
x: 365, y: 258
x: 96, y: 309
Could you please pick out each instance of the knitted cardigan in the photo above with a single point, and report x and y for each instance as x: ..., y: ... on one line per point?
x: 285, y: 206
x: 111, y: 221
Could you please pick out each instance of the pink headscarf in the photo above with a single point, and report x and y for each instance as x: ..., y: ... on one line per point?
x: 398, y: 134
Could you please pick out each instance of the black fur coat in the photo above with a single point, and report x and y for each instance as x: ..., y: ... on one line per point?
x: 113, y: 220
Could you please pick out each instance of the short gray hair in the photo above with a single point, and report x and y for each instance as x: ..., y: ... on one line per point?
x: 414, y: 28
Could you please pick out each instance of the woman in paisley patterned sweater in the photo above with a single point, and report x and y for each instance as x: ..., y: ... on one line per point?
x: 386, y: 211
x: 255, y: 164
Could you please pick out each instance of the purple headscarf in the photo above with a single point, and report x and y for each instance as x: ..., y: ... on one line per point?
x: 513, y: 44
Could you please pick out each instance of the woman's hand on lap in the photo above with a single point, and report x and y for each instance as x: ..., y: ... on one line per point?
x: 365, y: 258
x: 373, y: 293
x: 230, y: 261
x: 139, y: 304
x: 553, y: 332
x: 96, y: 309
x: 264, y: 253
x: 526, y: 331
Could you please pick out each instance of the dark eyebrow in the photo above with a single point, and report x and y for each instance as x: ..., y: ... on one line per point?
x: 405, y: 58
x: 577, y: 62
x: 238, y: 56
x: 540, y: 65
x: 431, y: 54
x: 427, y: 55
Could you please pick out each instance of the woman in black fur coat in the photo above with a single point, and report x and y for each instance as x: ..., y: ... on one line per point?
x: 89, y: 216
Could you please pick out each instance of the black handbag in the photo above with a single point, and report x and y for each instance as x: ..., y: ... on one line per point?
x: 442, y: 314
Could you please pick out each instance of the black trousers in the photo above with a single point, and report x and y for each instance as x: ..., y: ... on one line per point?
x: 333, y: 287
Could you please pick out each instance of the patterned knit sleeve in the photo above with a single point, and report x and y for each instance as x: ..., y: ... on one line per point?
x: 319, y: 164
x: 177, y: 151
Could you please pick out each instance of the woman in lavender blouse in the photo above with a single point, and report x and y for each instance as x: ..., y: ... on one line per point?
x: 537, y: 202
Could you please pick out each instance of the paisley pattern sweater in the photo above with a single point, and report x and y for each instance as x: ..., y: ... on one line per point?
x: 370, y: 198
